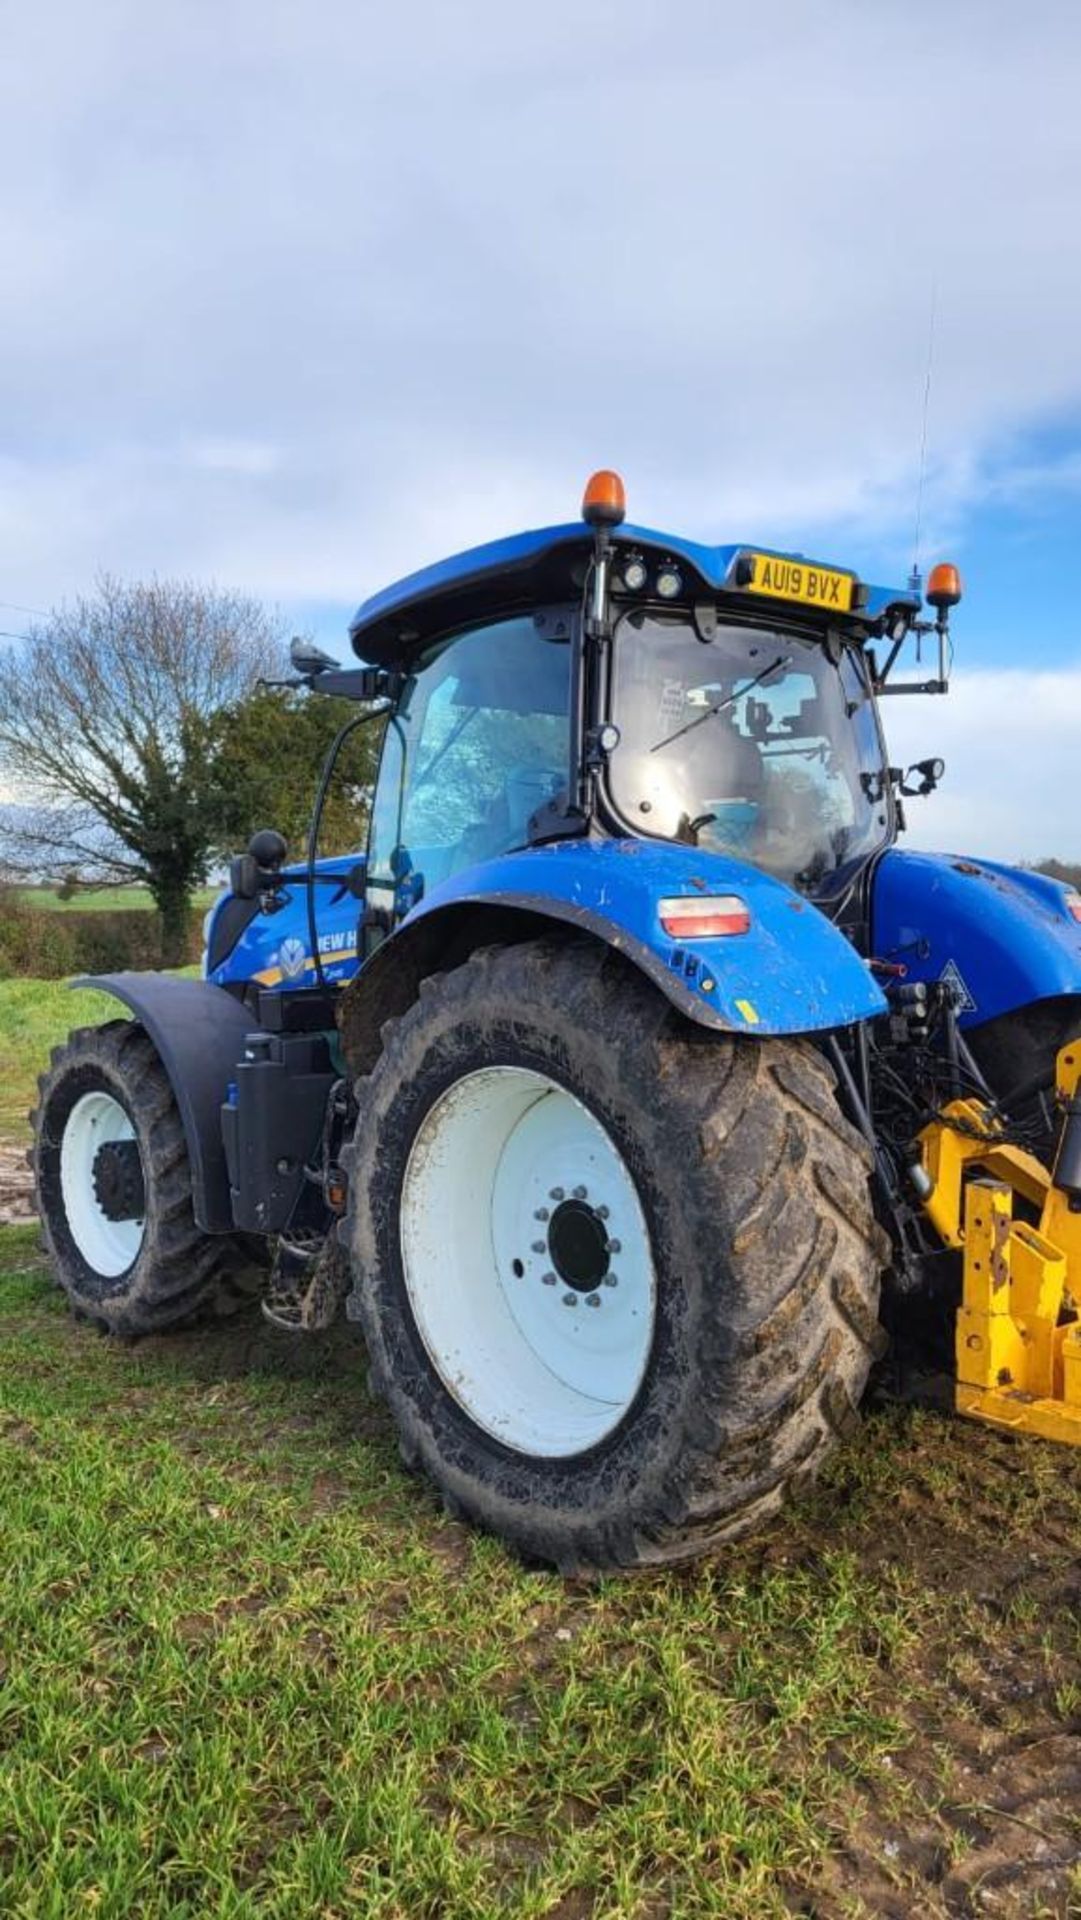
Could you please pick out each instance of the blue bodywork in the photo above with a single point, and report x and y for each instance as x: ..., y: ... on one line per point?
x: 792, y: 972
x: 274, y: 949
x: 1006, y: 937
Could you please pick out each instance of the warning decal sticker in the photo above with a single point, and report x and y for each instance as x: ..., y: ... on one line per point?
x: 951, y: 976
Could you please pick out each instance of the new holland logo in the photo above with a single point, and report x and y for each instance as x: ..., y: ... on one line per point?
x: 292, y: 957
x: 951, y: 976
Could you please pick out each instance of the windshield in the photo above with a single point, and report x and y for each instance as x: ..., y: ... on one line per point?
x: 747, y: 741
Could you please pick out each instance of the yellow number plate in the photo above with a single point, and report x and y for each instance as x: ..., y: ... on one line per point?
x: 796, y: 580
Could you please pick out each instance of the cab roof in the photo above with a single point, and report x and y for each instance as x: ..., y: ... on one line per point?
x: 549, y: 565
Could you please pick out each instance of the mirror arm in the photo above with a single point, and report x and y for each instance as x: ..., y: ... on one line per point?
x: 344, y: 683
x: 881, y: 676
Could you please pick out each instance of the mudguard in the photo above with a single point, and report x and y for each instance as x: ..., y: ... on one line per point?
x: 1005, y: 937
x: 791, y: 972
x: 199, y: 1033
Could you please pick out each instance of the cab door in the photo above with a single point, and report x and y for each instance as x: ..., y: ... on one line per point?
x: 478, y: 748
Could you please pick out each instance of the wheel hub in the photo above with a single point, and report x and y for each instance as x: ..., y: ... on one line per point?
x: 518, y: 1215
x: 117, y: 1174
x: 578, y: 1245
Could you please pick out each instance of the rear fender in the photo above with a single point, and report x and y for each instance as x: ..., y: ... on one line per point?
x: 791, y: 973
x: 199, y: 1033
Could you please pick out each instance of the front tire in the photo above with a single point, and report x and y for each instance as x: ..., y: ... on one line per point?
x: 113, y: 1188
x: 540, y: 1125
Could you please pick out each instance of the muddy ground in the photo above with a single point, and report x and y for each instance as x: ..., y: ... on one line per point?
x: 15, y: 1186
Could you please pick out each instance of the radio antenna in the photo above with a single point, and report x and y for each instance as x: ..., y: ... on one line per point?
x: 916, y: 577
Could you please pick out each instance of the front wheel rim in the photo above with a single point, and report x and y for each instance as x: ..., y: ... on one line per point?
x: 527, y: 1262
x: 108, y: 1246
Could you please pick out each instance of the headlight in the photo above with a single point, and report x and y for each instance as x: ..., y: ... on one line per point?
x: 669, y: 583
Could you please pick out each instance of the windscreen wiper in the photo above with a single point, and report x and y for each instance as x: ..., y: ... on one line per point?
x: 720, y: 705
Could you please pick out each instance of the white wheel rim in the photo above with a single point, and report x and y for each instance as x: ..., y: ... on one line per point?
x: 109, y: 1246
x: 549, y: 1366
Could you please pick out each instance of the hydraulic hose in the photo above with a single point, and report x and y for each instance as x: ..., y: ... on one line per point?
x: 329, y: 764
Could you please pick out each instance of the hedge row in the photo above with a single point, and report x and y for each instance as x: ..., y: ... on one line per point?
x: 42, y: 945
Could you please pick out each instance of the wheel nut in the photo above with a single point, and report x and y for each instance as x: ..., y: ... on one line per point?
x: 611, y: 1280
x: 556, y: 1193
x: 541, y: 1213
x: 570, y: 1299
x: 593, y: 1299
x: 602, y: 1213
x: 614, y: 1246
x: 580, y: 1192
x: 549, y: 1279
x: 540, y: 1246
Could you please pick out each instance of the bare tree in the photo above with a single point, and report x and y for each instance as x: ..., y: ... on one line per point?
x: 107, y: 736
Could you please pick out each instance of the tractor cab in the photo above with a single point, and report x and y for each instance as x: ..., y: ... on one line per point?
x: 604, y: 681
x: 597, y: 682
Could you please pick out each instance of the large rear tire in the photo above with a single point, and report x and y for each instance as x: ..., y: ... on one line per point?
x: 618, y: 1277
x: 113, y: 1189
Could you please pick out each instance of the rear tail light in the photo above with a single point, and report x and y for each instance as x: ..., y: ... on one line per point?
x: 1073, y: 905
x: 703, y: 916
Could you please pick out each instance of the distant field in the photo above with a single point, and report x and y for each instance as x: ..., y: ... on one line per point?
x: 108, y: 900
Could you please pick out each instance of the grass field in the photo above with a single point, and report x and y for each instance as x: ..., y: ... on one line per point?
x: 247, y: 1668
x: 108, y: 900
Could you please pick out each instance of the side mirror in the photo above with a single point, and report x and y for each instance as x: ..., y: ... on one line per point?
x: 244, y: 877
x: 309, y: 660
x: 925, y: 775
x: 256, y: 871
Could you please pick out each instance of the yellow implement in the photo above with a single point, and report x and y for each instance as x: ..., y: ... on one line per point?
x: 1018, y: 1339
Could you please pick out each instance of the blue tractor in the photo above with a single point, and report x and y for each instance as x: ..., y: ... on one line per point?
x: 611, y: 1085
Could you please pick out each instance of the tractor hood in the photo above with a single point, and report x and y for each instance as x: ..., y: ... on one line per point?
x: 1004, y: 936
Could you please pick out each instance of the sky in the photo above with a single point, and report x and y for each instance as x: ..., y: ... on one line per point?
x: 297, y: 298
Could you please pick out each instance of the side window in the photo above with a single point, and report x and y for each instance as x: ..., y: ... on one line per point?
x: 485, y: 733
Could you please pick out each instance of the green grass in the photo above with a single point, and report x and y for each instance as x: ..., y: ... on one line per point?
x: 107, y: 900
x: 247, y: 1667
x: 35, y: 1015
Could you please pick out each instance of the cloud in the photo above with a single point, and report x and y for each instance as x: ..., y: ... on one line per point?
x: 419, y: 269
x: 1009, y: 742
x: 234, y: 456
x: 299, y: 299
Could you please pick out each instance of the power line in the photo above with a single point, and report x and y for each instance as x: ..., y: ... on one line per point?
x: 6, y: 635
x: 14, y: 607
